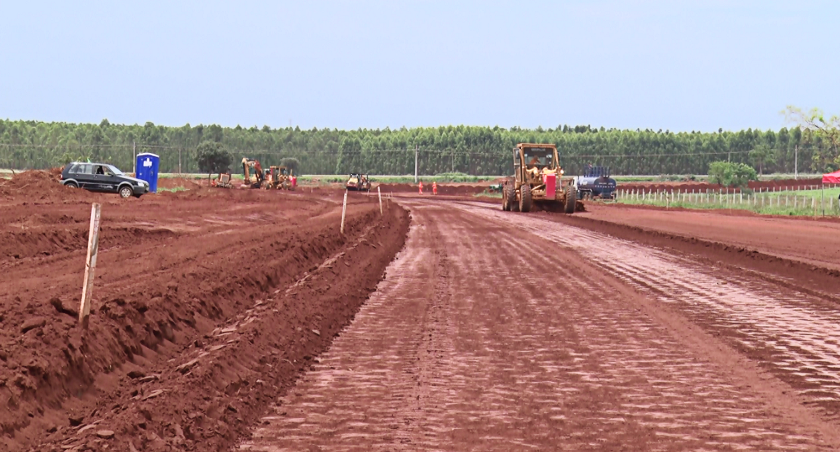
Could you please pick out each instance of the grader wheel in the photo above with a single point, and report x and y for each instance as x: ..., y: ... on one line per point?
x: 571, y: 199
x: 510, y: 197
x: 525, y: 198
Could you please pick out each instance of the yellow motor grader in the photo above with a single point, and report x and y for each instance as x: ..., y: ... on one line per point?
x: 279, y: 178
x: 537, y: 179
x: 223, y: 181
x: 358, y: 182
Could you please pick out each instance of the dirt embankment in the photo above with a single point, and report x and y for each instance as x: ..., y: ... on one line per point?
x: 805, y: 239
x: 786, y: 183
x: 669, y: 187
x: 194, y: 328
x: 182, y: 182
x: 40, y: 186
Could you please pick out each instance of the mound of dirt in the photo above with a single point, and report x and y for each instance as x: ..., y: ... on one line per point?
x: 40, y: 185
x: 178, y: 182
x: 669, y: 187
x: 785, y: 183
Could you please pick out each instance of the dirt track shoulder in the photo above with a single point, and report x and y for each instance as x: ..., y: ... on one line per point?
x: 799, y: 239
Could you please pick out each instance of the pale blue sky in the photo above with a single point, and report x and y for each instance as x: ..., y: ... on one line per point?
x: 678, y: 65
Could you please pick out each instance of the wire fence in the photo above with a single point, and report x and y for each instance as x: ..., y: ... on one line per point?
x: 815, y: 200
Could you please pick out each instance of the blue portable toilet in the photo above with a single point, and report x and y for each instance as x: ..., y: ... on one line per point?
x: 147, y: 169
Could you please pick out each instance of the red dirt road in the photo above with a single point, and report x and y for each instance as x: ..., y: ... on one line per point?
x: 501, y: 331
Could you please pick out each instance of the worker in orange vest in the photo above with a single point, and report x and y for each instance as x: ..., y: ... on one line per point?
x: 421, y: 187
x: 434, y: 187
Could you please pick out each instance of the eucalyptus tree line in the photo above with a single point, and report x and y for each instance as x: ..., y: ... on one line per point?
x: 468, y: 149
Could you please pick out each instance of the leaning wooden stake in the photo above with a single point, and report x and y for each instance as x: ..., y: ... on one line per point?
x: 343, y: 211
x: 90, y: 264
x: 379, y: 193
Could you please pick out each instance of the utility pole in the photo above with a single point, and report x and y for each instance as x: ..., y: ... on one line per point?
x: 796, y: 162
x: 416, y: 152
x: 179, y: 161
x: 134, y: 156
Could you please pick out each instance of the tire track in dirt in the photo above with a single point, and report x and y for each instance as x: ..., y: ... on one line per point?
x: 360, y: 345
x: 793, y: 334
x: 485, y: 336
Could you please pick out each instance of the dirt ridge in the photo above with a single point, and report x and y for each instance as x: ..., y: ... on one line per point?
x: 256, y: 355
x: 806, y: 276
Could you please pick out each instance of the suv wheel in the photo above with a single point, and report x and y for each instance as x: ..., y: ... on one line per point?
x: 71, y: 185
x: 126, y: 191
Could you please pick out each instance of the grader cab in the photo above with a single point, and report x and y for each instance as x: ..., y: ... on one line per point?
x: 537, y: 179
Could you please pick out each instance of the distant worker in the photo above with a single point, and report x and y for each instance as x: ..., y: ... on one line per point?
x: 421, y: 187
x: 434, y: 187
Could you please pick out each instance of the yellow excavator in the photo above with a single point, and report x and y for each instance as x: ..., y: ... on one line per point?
x: 253, y: 172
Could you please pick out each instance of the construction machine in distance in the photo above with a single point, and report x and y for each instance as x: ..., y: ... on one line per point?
x: 223, y: 181
x: 253, y: 172
x: 595, y: 183
x: 279, y: 178
x: 358, y: 182
x: 537, y: 179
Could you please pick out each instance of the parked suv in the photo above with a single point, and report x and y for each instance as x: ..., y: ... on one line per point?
x: 102, y: 177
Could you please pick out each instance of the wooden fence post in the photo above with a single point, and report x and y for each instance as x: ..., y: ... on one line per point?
x: 90, y: 264
x: 379, y: 193
x: 343, y: 211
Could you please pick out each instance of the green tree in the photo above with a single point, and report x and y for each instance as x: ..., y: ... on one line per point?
x: 469, y: 149
x: 291, y: 163
x: 212, y: 158
x: 731, y: 174
x: 760, y: 154
x: 825, y: 132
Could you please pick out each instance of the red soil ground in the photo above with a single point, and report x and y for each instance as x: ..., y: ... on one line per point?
x: 203, y: 310
x: 626, y: 333
x: 500, y: 331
